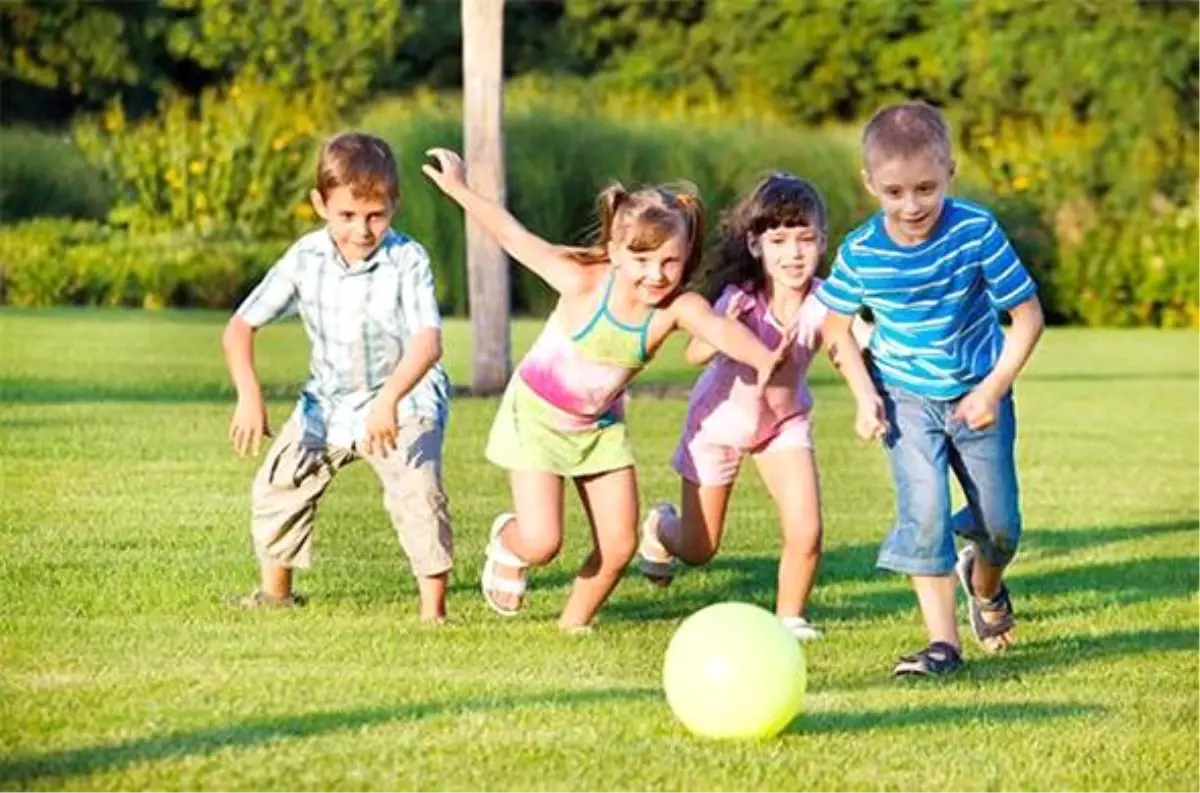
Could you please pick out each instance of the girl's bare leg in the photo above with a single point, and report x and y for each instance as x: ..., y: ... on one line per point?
x: 535, y: 534
x: 791, y: 478
x: 610, y: 500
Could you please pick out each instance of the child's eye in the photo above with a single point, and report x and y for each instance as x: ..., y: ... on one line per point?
x: 892, y: 192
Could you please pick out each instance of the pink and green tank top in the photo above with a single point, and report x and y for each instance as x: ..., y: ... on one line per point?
x: 582, y: 376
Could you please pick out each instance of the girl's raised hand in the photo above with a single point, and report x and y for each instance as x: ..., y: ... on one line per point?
x: 451, y: 171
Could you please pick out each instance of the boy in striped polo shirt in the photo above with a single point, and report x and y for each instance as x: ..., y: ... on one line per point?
x: 936, y: 272
x: 375, y: 389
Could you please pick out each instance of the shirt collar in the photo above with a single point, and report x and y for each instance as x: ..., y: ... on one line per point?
x: 372, y: 261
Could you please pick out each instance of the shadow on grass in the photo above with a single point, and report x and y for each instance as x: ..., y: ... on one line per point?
x: 1046, y: 654
x: 1037, y: 657
x: 94, y: 759
x: 1116, y: 583
x: 1041, y: 542
x: 752, y: 578
x: 825, y: 722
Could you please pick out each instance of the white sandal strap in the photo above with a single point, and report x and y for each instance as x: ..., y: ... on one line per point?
x: 497, y: 552
x: 510, y: 586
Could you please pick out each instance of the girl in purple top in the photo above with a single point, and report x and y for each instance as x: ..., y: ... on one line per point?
x: 771, y: 246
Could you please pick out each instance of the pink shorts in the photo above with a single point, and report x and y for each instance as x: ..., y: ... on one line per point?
x: 713, y: 464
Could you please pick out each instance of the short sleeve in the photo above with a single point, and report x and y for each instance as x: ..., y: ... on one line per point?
x: 809, y: 323
x: 842, y: 291
x: 1008, y: 282
x: 735, y: 295
x: 418, y: 296
x: 276, y: 295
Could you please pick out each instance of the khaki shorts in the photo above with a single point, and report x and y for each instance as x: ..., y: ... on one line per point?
x: 293, y: 478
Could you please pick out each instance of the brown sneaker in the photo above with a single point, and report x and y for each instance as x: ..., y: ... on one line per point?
x: 258, y: 599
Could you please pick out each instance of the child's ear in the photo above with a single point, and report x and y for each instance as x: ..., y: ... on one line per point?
x: 754, y: 245
x: 953, y: 170
x: 318, y: 203
x: 866, y: 180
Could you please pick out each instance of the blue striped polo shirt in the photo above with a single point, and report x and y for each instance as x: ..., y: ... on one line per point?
x: 360, y: 319
x: 936, y: 304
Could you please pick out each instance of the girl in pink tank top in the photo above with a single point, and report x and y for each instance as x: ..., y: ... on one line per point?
x: 764, y: 273
x: 561, y: 415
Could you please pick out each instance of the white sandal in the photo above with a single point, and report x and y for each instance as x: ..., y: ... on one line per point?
x: 491, y: 580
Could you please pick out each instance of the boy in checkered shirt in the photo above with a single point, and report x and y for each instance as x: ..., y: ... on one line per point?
x: 375, y: 390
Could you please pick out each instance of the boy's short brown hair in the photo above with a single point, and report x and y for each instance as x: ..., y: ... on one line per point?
x: 905, y: 130
x: 364, y: 163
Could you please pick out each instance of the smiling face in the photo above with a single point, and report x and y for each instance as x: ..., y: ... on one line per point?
x: 654, y: 273
x: 790, y: 255
x: 356, y: 224
x: 911, y: 192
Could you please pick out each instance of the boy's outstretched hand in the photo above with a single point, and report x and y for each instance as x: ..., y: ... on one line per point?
x: 249, y: 426
x: 451, y: 171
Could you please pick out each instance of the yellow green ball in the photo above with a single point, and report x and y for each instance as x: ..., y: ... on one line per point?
x: 732, y: 670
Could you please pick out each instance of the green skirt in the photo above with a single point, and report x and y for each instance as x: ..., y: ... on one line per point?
x: 526, y: 436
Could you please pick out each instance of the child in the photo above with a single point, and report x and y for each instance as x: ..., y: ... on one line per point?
x: 936, y: 271
x: 561, y: 415
x: 375, y: 389
x: 771, y: 246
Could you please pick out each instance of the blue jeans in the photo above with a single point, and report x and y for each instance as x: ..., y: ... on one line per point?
x: 923, y: 445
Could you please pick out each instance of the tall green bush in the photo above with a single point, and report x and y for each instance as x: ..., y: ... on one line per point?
x: 239, y: 159
x: 53, y: 262
x: 559, y: 161
x: 1142, y: 271
x: 43, y: 174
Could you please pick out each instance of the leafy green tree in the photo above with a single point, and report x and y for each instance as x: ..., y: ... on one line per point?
x: 291, y: 43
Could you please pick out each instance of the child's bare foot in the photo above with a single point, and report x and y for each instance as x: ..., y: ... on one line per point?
x: 433, y: 620
x: 503, y: 581
x: 576, y: 630
x: 992, y: 619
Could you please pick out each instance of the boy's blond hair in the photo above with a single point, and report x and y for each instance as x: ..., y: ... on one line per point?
x: 364, y: 163
x: 906, y: 130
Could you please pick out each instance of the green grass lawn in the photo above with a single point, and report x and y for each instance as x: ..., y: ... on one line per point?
x: 123, y: 524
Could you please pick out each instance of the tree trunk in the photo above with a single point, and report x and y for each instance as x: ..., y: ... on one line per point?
x: 483, y: 121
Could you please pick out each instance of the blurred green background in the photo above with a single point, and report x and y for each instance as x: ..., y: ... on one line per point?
x: 159, y: 153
